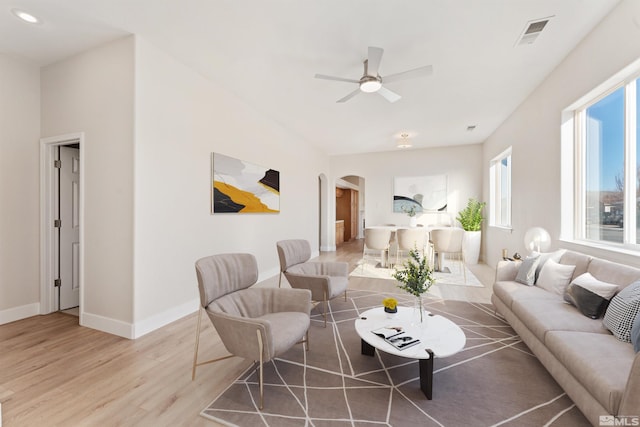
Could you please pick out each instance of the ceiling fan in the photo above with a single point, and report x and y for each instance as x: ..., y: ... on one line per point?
x: 371, y: 81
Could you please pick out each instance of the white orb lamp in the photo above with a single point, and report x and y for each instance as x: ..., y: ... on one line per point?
x: 537, y: 239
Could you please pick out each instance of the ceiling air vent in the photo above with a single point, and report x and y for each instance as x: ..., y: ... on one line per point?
x: 531, y: 31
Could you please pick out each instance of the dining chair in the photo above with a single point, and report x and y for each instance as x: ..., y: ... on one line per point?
x: 376, y: 240
x: 410, y: 238
x: 392, y: 239
x: 326, y: 280
x: 448, y: 240
x: 254, y: 323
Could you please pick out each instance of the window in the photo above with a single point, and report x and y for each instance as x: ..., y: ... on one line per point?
x: 607, y: 167
x: 500, y: 190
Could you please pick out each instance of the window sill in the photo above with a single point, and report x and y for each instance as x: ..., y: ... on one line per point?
x: 610, y: 249
x: 501, y: 228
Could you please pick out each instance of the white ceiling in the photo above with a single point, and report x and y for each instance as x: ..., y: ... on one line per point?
x: 267, y: 52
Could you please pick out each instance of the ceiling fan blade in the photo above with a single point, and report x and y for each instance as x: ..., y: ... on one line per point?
x: 348, y: 97
x: 340, y: 79
x: 388, y: 95
x: 411, y: 74
x: 374, y: 58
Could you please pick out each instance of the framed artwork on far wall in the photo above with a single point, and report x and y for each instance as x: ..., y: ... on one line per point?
x: 243, y: 187
x: 424, y: 193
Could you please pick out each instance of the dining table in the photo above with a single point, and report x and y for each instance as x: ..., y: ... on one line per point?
x: 435, y: 261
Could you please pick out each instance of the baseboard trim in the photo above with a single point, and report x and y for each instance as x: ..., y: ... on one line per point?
x: 159, y: 320
x: 106, y: 324
x: 267, y: 274
x: 18, y: 313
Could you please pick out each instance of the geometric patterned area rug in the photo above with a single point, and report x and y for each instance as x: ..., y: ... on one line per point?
x: 494, y: 381
x: 449, y: 276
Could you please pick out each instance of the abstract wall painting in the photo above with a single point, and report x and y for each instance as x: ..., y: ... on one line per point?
x: 243, y: 187
x: 424, y: 193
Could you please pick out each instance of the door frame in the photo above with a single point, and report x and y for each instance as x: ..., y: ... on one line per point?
x: 48, y: 207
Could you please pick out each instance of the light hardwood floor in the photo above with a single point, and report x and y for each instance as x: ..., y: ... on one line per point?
x: 60, y: 374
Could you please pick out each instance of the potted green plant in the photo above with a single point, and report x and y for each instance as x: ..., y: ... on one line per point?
x: 415, y: 277
x: 471, y: 218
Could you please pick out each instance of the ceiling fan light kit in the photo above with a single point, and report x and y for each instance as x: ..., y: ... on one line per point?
x: 371, y: 81
x: 404, y: 142
x: 370, y: 84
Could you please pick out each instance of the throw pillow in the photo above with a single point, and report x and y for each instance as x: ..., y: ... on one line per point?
x: 635, y: 334
x: 545, y: 256
x: 527, y: 272
x: 622, y: 311
x: 590, y: 295
x: 555, y: 277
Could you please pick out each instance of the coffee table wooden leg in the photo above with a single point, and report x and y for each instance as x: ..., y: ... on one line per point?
x: 366, y: 348
x: 426, y: 375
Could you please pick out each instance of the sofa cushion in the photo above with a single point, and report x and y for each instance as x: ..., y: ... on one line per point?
x: 611, y: 272
x: 544, y: 315
x: 546, y: 256
x: 581, y: 261
x: 527, y: 271
x: 555, y: 277
x: 509, y: 291
x: 599, y: 362
x: 590, y: 295
x: 622, y: 311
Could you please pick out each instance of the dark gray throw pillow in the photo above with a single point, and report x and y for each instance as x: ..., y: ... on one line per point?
x: 527, y: 271
x: 635, y: 334
x: 595, y: 301
x: 590, y: 304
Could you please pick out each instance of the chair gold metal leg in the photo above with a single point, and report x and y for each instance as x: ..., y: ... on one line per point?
x: 305, y: 341
x: 195, y: 352
x: 261, y: 374
x: 464, y: 269
x: 326, y: 304
x: 280, y: 279
x: 345, y: 295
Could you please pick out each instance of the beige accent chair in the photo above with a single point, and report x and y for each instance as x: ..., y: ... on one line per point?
x: 326, y: 280
x: 255, y: 323
x: 376, y: 240
x: 410, y: 238
x: 448, y: 240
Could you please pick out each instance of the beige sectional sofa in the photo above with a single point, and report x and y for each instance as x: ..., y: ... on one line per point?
x: 598, y: 372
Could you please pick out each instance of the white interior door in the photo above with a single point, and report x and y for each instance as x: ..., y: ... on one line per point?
x: 70, y: 228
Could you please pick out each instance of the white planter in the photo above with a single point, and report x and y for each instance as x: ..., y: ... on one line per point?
x: 413, y: 221
x: 471, y: 246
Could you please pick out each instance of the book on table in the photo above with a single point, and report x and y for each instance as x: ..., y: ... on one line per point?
x: 396, y: 336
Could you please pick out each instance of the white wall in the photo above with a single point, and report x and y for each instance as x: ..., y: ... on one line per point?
x: 19, y: 189
x: 181, y: 118
x: 93, y: 93
x: 534, y: 132
x: 150, y: 126
x: 462, y: 165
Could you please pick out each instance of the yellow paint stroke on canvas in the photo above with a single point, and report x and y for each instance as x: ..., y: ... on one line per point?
x: 249, y: 200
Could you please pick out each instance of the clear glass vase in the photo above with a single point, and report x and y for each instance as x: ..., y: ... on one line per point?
x: 418, y: 311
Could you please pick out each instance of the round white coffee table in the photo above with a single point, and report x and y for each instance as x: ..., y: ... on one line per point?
x: 439, y: 337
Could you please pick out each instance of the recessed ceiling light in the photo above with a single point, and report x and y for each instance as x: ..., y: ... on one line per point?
x: 26, y: 17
